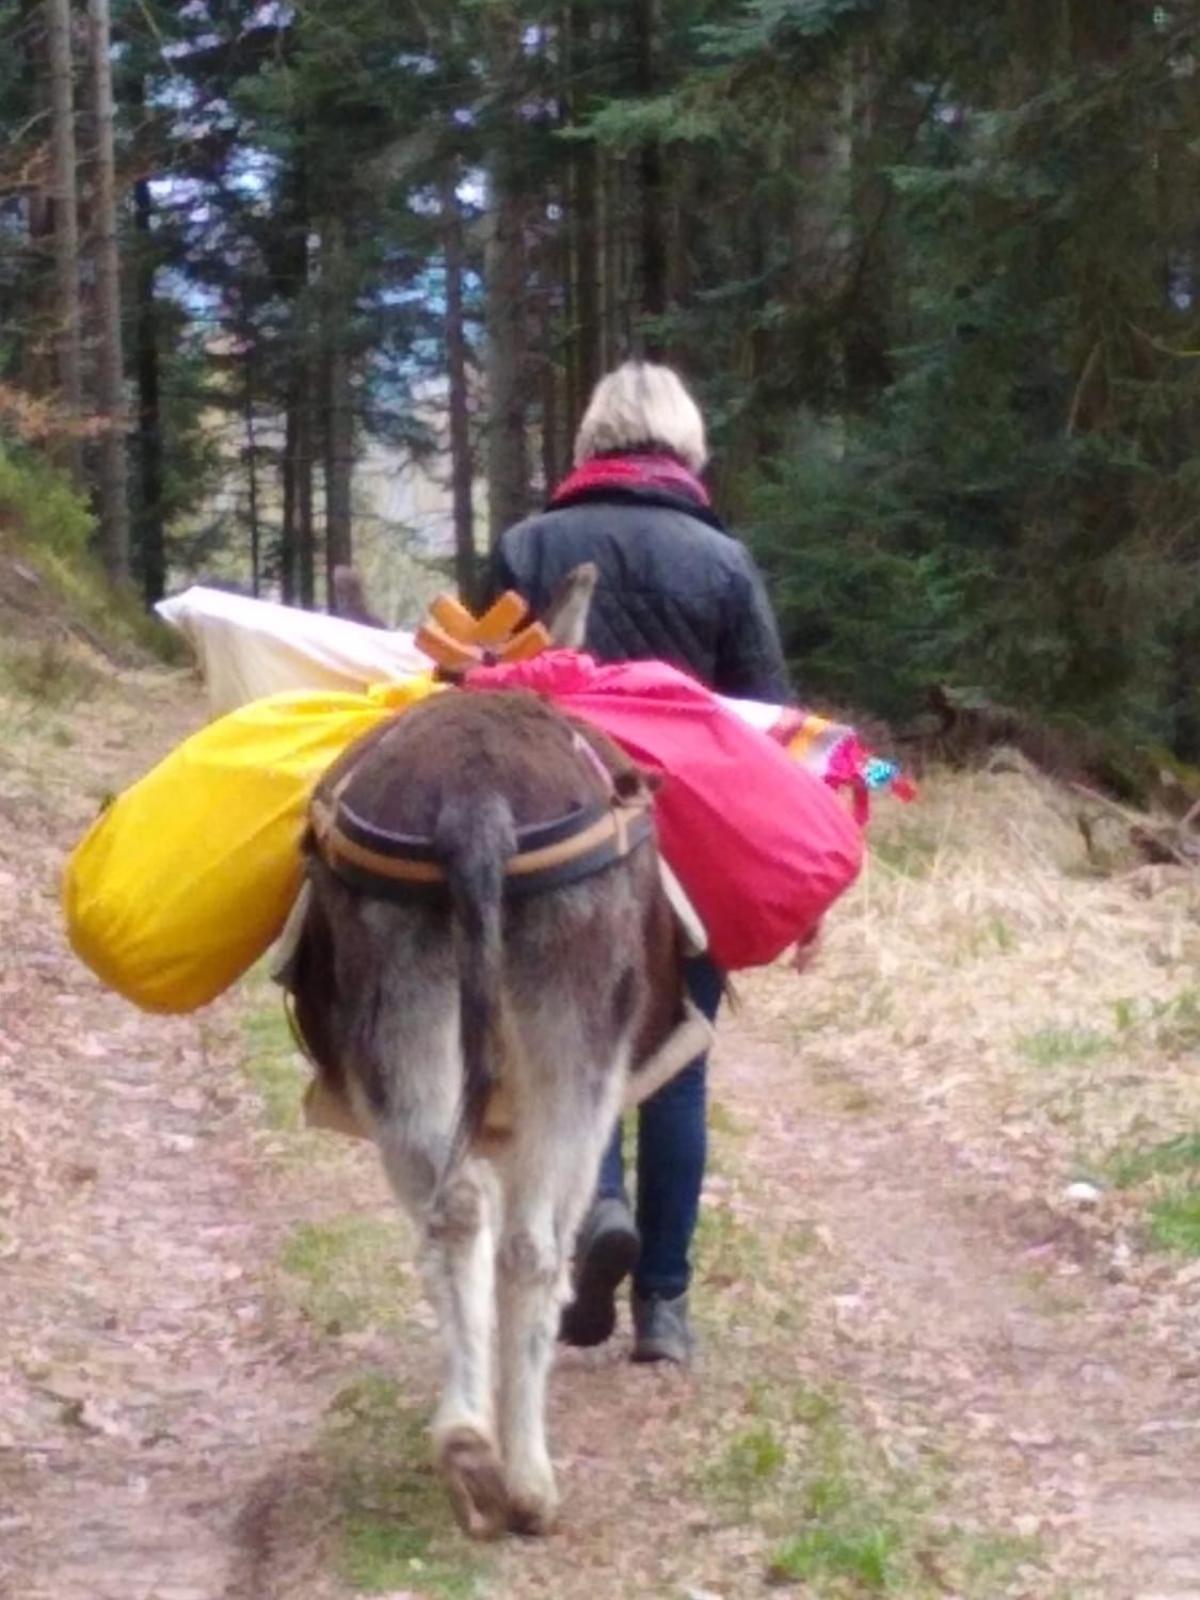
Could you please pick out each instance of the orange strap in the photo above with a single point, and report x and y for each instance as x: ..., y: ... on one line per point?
x: 458, y: 641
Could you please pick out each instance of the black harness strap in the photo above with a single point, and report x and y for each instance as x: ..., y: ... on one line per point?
x: 405, y: 867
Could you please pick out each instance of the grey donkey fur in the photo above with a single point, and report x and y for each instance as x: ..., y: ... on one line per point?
x: 429, y: 1015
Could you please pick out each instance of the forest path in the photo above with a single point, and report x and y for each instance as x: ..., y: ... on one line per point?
x: 928, y: 1367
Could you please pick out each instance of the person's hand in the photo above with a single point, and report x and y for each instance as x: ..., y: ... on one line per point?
x: 806, y: 950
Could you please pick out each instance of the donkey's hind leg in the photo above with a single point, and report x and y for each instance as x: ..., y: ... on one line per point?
x: 460, y: 1252
x: 564, y: 1119
x: 456, y: 1212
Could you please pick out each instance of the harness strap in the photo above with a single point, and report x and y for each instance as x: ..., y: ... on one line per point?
x: 404, y: 867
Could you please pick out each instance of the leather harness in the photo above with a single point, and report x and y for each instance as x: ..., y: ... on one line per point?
x: 403, y: 866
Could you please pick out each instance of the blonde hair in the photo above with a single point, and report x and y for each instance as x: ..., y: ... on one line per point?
x: 642, y: 405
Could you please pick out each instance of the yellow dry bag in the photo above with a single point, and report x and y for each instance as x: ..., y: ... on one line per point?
x: 187, y: 877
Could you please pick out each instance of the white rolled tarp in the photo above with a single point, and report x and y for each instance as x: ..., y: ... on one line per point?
x: 248, y: 649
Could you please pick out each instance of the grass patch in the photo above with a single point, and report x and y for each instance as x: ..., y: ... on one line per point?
x: 991, y: 937
x: 722, y: 1122
x: 353, y: 1273
x: 791, y: 1473
x: 1171, y: 1170
x: 1175, y: 1024
x: 1169, y: 1159
x: 991, y: 1559
x: 274, y: 1066
x: 47, y: 674
x: 836, y: 1518
x: 728, y: 1250
x: 864, y: 1557
x: 751, y: 1460
x: 396, y: 1529
x: 910, y: 852
x: 1167, y: 1027
x: 1058, y: 1047
x: 1175, y: 1222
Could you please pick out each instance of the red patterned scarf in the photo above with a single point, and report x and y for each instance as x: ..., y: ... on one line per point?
x: 637, y: 471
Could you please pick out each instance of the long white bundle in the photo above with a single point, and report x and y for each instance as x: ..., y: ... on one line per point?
x: 251, y: 648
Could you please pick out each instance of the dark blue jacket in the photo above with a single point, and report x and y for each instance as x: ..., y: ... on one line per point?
x: 674, y: 585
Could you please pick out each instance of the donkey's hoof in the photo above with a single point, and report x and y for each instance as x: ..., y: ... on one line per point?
x: 471, y: 1467
x: 532, y: 1500
x: 533, y: 1516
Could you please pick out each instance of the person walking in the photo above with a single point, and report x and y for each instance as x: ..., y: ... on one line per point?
x: 674, y: 586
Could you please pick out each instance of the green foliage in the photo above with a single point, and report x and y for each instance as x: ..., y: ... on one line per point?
x: 1172, y: 1158
x: 41, y: 505
x: 1169, y: 1172
x: 864, y: 1556
x: 932, y: 270
x: 1175, y: 1222
x: 751, y: 1460
x: 1052, y: 1047
x: 952, y: 395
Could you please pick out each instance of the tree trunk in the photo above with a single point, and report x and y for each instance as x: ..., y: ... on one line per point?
x: 110, y: 370
x: 874, y: 146
x: 551, y: 426
x: 587, y: 276
x: 296, y: 555
x: 66, y: 228
x: 39, y: 350
x: 650, y: 170
x: 504, y: 275
x: 306, y: 544
x: 581, y: 225
x: 339, y: 419
x: 289, y: 538
x: 151, y: 538
x: 507, y: 449
x: 252, y: 480
x: 609, y: 229
x: 461, y: 471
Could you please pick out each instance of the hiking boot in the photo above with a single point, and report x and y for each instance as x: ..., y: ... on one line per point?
x: 606, y: 1253
x: 662, y: 1331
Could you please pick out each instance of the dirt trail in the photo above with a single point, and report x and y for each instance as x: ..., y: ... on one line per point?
x: 165, y: 1400
x: 141, y: 1375
x: 1063, y: 1409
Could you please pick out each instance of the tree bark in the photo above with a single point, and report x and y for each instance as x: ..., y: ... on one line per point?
x: 252, y: 480
x: 289, y: 537
x: 339, y: 420
x: 66, y: 229
x: 650, y: 169
x: 298, y: 552
x: 504, y: 275
x: 587, y: 276
x: 551, y: 426
x: 306, y: 543
x: 461, y: 469
x: 151, y: 536
x: 110, y: 370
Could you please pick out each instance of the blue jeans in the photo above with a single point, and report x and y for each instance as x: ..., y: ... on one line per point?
x: 672, y: 1145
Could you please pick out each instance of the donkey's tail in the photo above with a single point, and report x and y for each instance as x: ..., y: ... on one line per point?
x: 475, y: 839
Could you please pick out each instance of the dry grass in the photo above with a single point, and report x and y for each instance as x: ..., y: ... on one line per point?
x: 1011, y: 984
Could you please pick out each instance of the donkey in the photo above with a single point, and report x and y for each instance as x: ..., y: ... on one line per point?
x: 488, y: 950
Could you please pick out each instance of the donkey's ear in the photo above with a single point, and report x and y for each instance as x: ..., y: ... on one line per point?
x: 566, y: 617
x: 350, y: 598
